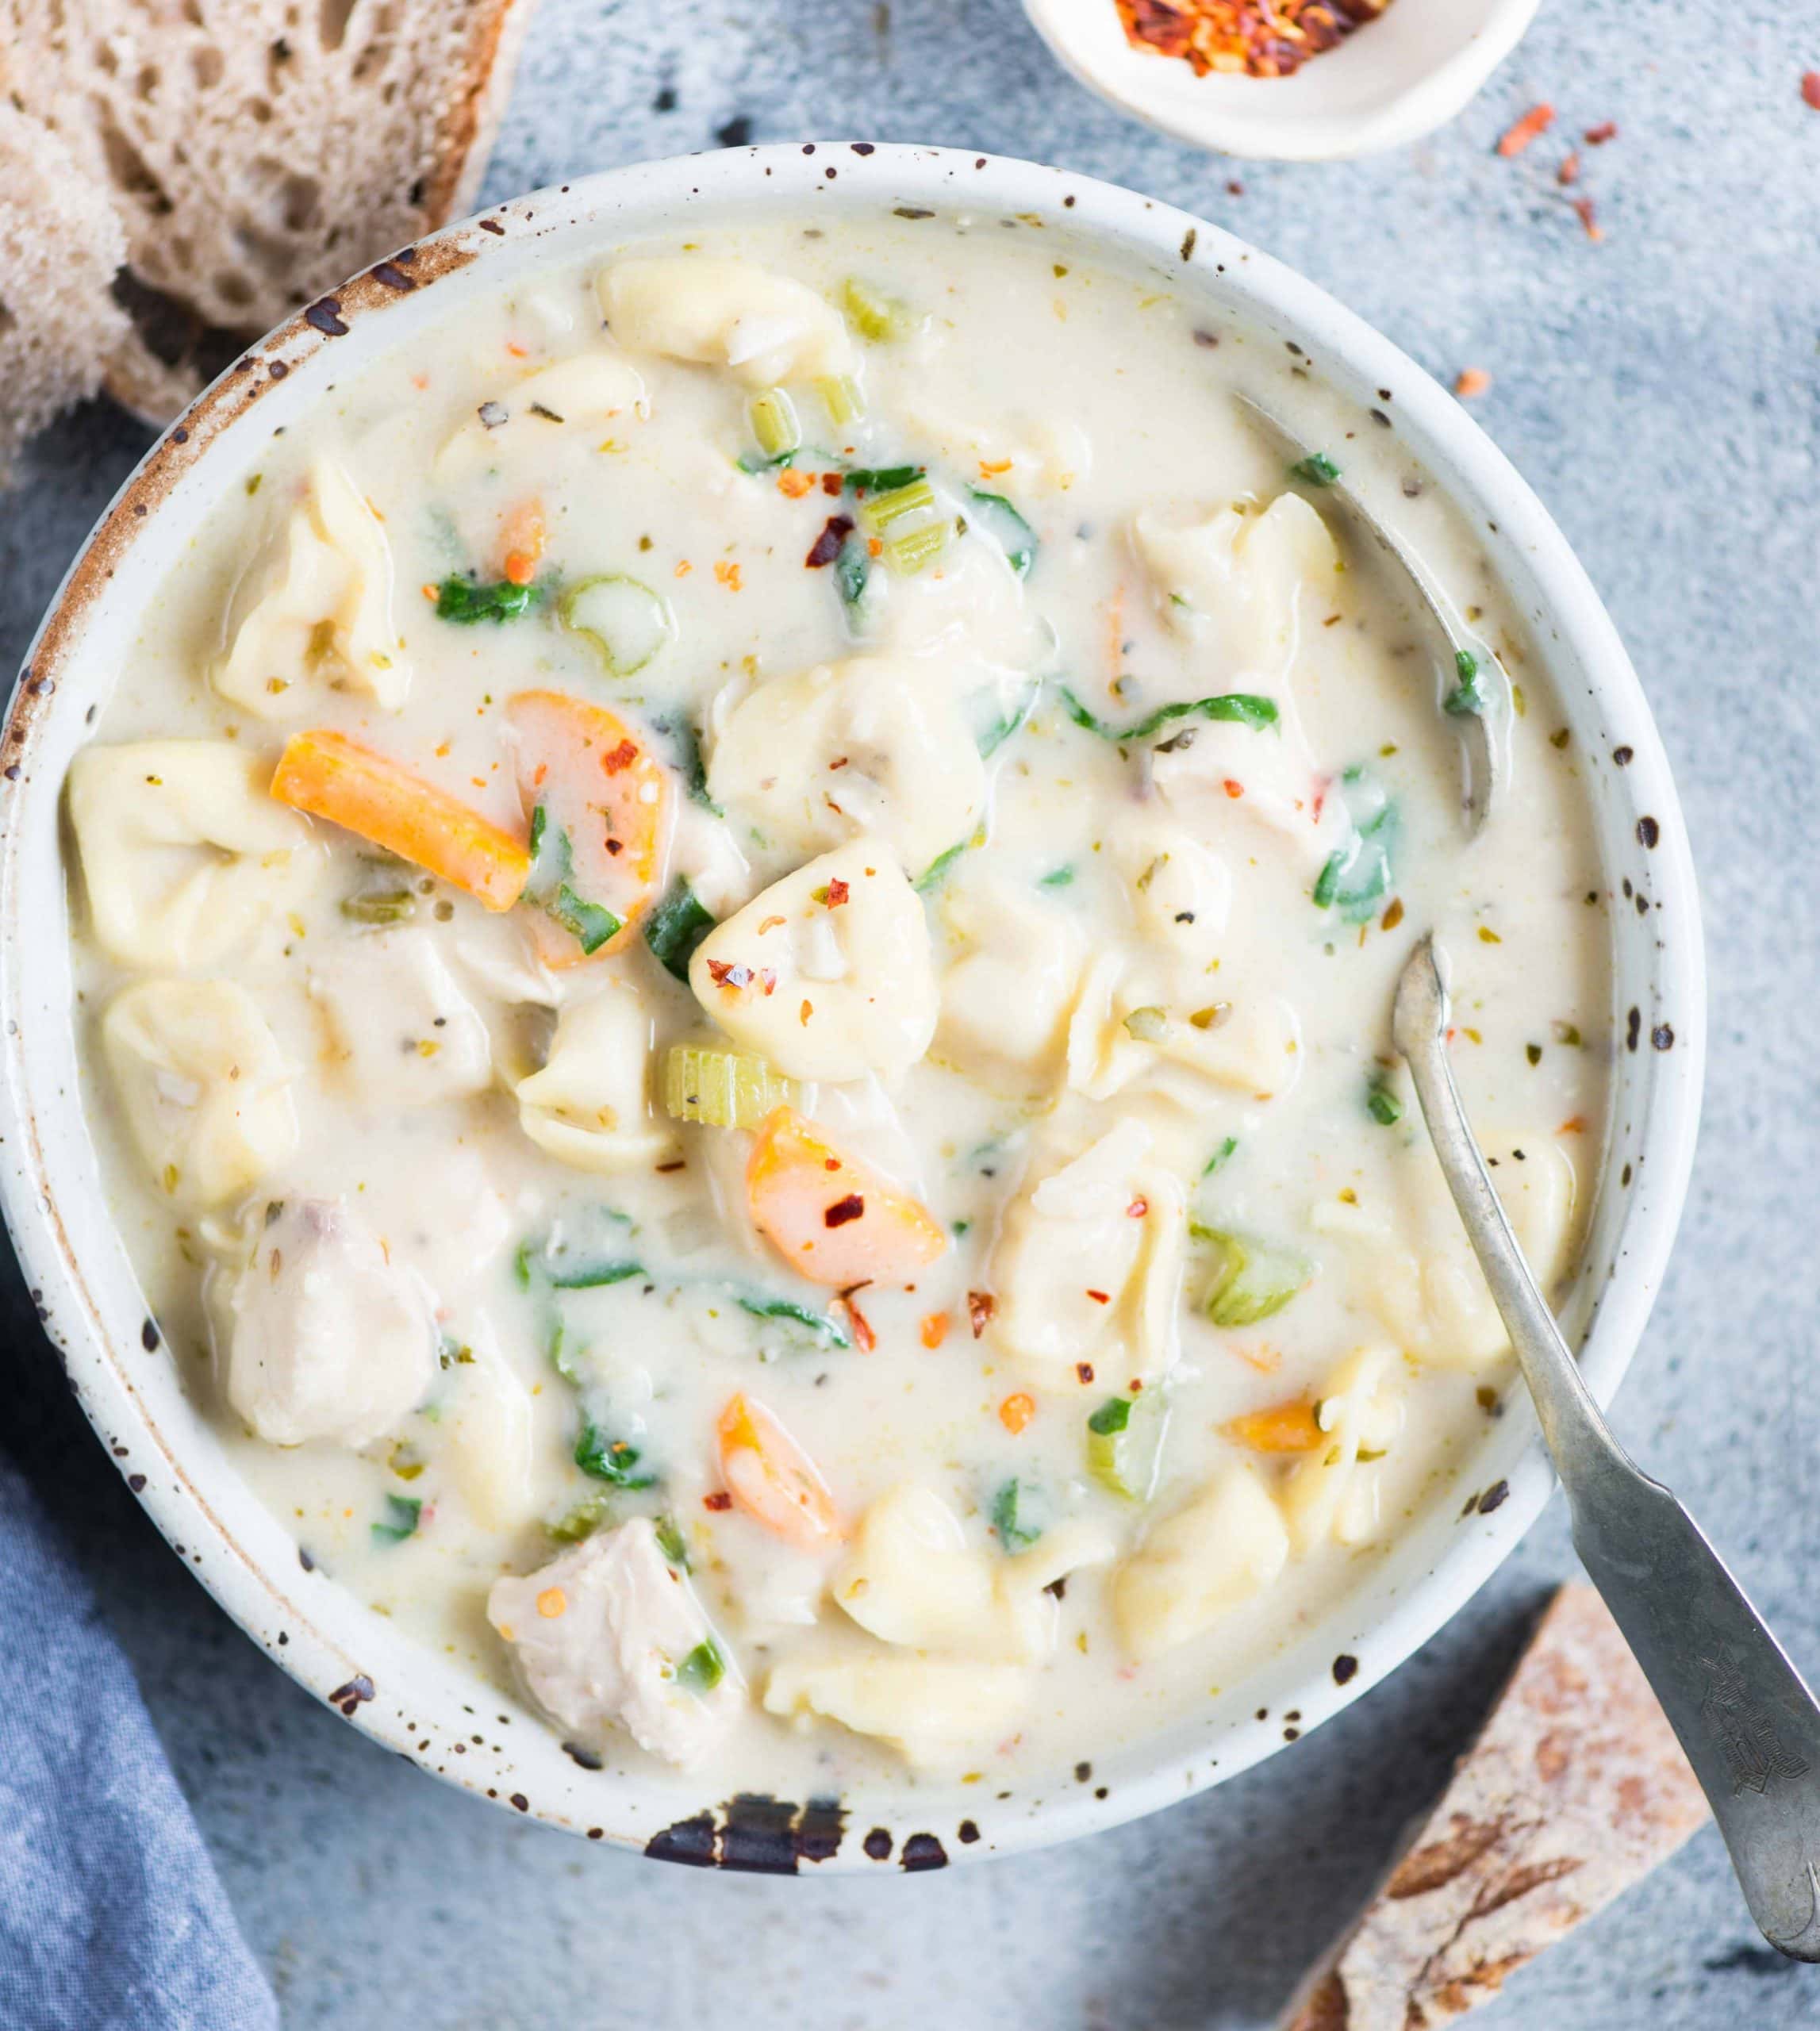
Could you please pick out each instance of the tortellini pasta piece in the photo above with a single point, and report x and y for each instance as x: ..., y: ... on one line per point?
x: 406, y: 1034
x: 827, y: 973
x: 1225, y: 1545
x: 185, y: 856
x: 329, y: 1338
x: 1089, y: 1263
x: 1332, y: 1491
x: 872, y: 746
x: 1126, y: 1022
x: 589, y: 388
x: 933, y: 1710
x: 600, y: 1637
x: 766, y: 328
x: 490, y: 1450
x: 1416, y: 1267
x: 1180, y: 898
x: 319, y: 614
x: 205, y: 1089
x: 910, y: 1578
x: 1006, y: 1001
x: 1235, y: 581
x: 590, y: 1105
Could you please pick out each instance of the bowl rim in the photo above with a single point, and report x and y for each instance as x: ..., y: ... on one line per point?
x: 324, y: 1638
x: 1306, y: 118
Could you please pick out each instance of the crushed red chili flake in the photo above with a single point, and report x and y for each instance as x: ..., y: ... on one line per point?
x: 729, y: 973
x: 1470, y: 381
x: 838, y: 892
x: 827, y: 546
x: 1583, y: 207
x: 805, y: 1012
x: 851, y: 1207
x: 623, y: 757
x: 864, y: 1337
x: 1138, y: 1208
x: 832, y: 483
x: 615, y: 846
x: 1259, y: 38
x: 1517, y: 137
x: 719, y: 1499
x: 981, y: 1305
x: 1606, y: 130
x: 1084, y: 1371
x: 1569, y: 170
x: 830, y: 1163
x: 1100, y: 1297
x: 1233, y: 787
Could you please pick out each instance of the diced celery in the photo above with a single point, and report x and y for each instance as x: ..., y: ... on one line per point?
x: 1125, y: 1444
x: 722, y: 1088
x: 841, y: 398
x: 625, y: 620
x: 379, y: 906
x: 883, y: 510
x: 773, y: 419
x: 1252, y: 1280
x: 704, y: 1669
x: 907, y: 554
x: 583, y: 1520
x: 878, y: 318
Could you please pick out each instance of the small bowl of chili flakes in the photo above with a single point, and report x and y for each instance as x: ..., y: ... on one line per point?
x: 1298, y: 80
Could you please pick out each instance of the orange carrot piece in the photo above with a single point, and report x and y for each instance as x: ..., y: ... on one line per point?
x: 1016, y: 1412
x: 770, y: 1477
x: 1289, y: 1427
x: 832, y: 1219
x: 934, y: 1329
x: 329, y: 776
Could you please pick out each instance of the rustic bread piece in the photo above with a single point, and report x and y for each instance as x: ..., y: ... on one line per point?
x: 59, y: 246
x: 257, y: 151
x: 1575, y: 1788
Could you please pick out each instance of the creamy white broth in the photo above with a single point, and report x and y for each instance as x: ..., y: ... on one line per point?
x: 1133, y: 951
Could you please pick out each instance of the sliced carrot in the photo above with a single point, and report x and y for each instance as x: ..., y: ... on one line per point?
x: 596, y: 781
x: 1289, y: 1427
x: 771, y: 1477
x: 332, y: 777
x: 832, y: 1219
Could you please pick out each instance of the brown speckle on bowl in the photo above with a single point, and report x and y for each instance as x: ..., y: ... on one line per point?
x: 923, y: 1851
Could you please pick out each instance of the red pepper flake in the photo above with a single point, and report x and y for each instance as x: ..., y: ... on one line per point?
x: 934, y: 1330
x: 804, y: 1013
x: 1084, y: 1371
x: 623, y: 757
x: 1233, y: 787
x: 615, y: 847
x: 767, y: 979
x: 1100, y: 1297
x: 1256, y: 38
x: 839, y: 762
x: 770, y: 923
x: 719, y: 1499
x: 827, y: 546
x: 981, y: 1305
x: 1583, y: 209
x: 1569, y: 171
x: 1470, y: 381
x: 1606, y: 130
x: 851, y: 1207
x: 832, y: 483
x: 1516, y: 138
x: 1138, y: 1208
x: 830, y: 1163
x: 863, y: 1335
x: 837, y: 892
x: 729, y: 973
x: 675, y: 1164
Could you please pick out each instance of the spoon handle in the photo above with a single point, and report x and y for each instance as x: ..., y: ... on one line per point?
x: 1749, y: 1726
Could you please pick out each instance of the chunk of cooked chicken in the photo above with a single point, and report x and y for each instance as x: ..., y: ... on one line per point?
x: 610, y: 1635
x: 330, y: 1339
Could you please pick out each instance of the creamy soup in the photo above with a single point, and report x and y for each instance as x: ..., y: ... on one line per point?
x: 735, y: 929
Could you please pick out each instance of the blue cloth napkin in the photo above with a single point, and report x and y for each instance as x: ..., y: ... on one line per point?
x: 112, y: 1917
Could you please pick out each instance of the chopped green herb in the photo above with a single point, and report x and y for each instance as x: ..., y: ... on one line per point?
x: 932, y: 875
x: 1220, y: 1155
x: 669, y: 1541
x: 1468, y: 695
x: 992, y: 737
x: 589, y: 924
x: 704, y: 1669
x: 583, y: 1520
x: 852, y: 574
x: 1007, y: 527
x: 1317, y: 469
x: 1010, y: 1515
x: 614, y: 1460
x: 1125, y: 1444
x: 1251, y: 1281
x: 1113, y: 1415
x: 1533, y: 1053
x: 879, y: 319
x: 680, y: 733
x: 1358, y: 875
x: 676, y: 926
x: 402, y: 1512
x: 1060, y: 877
x: 882, y: 479
x: 461, y: 598
x: 1381, y: 1104
x: 826, y: 1331
x: 1240, y: 706
x: 379, y: 906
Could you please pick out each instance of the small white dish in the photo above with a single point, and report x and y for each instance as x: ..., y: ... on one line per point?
x: 1392, y: 80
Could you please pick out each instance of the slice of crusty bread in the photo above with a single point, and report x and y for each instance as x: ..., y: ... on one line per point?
x: 1575, y: 1788
x: 60, y: 245
x: 257, y: 151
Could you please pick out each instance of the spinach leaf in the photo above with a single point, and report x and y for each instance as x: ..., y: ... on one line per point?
x: 880, y: 479
x: 547, y: 885
x: 676, y: 926
x: 821, y: 1327
x: 1113, y: 1415
x: 402, y: 1512
x: 1007, y: 527
x: 583, y: 1520
x: 1360, y: 874
x: 460, y: 597
x: 1011, y: 1518
x: 669, y: 1541
x: 1467, y: 696
x: 1242, y: 707
x: 614, y: 1460
x: 1317, y: 470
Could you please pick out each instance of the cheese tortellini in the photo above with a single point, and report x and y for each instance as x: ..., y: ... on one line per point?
x: 582, y: 393
x: 318, y: 616
x: 185, y: 856
x: 203, y: 1085
x: 1089, y: 1264
x: 910, y: 1578
x: 827, y: 973
x: 491, y: 1444
x: 1120, y: 1030
x: 874, y: 745
x: 1006, y: 999
x: 1332, y: 1491
x: 590, y: 1104
x: 430, y: 1044
x: 934, y: 1710
x: 1227, y: 1544
x: 765, y: 327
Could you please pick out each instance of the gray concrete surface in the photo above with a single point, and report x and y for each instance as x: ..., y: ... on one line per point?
x: 1659, y: 389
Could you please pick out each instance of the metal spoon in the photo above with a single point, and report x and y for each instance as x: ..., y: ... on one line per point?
x: 1476, y: 691
x: 1750, y: 1727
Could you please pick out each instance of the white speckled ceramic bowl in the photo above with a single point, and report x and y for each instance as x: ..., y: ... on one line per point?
x: 418, y: 1702
x: 1392, y: 81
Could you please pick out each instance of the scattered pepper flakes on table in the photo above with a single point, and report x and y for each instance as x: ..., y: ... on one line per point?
x: 1535, y: 122
x: 1597, y: 137
x: 1259, y: 38
x: 1569, y: 170
x: 1588, y: 218
x: 1470, y: 381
